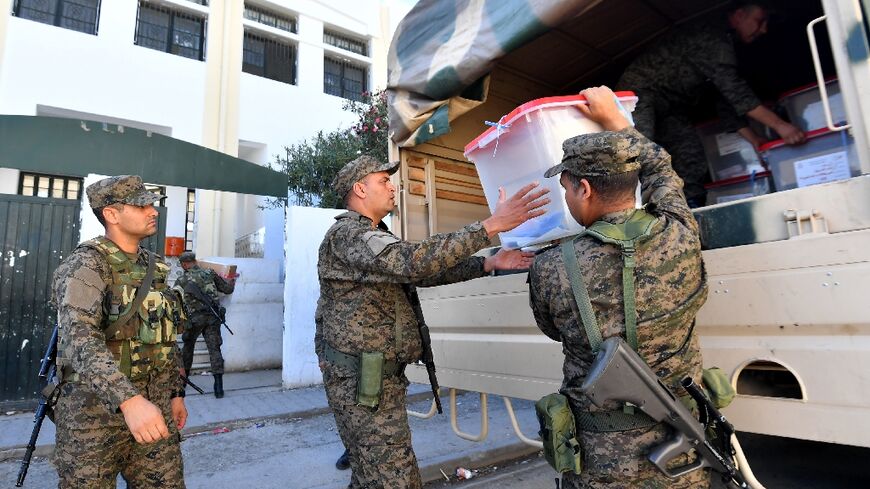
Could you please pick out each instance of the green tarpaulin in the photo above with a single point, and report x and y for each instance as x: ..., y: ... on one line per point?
x: 443, y: 51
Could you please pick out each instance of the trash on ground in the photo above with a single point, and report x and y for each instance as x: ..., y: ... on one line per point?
x: 222, y: 429
x: 462, y: 473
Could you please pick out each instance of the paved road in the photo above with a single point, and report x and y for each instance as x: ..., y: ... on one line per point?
x: 300, y: 452
x: 778, y: 463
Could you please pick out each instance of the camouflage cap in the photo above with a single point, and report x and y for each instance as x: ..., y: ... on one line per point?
x: 357, y: 169
x: 122, y: 189
x: 598, y: 154
x: 187, y: 256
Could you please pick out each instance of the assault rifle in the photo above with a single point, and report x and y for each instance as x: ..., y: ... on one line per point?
x: 195, y: 387
x: 425, y: 341
x: 194, y: 290
x: 619, y: 374
x: 47, y: 400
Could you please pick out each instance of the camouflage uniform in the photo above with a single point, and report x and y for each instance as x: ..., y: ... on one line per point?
x: 669, y: 80
x: 364, y: 308
x: 93, y: 442
x: 202, y: 320
x: 670, y: 288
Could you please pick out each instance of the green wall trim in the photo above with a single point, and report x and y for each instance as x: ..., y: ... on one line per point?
x: 76, y: 148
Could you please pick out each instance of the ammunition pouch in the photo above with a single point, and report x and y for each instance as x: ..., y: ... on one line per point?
x: 719, y: 388
x: 558, y: 434
x: 370, y: 381
x: 371, y: 369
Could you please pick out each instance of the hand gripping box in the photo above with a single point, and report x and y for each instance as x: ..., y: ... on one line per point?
x: 520, y: 148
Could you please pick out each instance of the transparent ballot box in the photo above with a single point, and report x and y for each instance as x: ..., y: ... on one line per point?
x: 520, y: 148
x: 827, y: 156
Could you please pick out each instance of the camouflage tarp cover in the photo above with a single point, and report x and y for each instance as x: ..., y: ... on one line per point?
x: 443, y: 51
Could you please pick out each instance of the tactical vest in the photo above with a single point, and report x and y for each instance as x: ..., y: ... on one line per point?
x: 145, y: 342
x: 202, y: 277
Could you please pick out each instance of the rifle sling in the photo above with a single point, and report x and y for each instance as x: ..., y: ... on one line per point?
x: 201, y: 296
x: 141, y: 292
x: 581, y: 295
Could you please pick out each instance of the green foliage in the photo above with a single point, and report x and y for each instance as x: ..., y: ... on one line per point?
x: 312, y: 164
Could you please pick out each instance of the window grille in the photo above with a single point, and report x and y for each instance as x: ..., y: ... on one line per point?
x: 345, y: 42
x: 50, y: 186
x: 77, y: 15
x: 170, y: 31
x: 344, y: 78
x: 188, y: 227
x: 269, y: 18
x: 269, y: 58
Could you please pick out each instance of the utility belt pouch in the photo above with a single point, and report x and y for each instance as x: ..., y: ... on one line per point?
x: 370, y: 383
x: 558, y: 434
x: 719, y: 388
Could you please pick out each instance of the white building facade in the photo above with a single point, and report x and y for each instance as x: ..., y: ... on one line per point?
x: 242, y: 77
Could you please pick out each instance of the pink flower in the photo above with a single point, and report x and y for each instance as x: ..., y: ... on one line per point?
x: 375, y: 129
x: 365, y: 128
x: 377, y: 120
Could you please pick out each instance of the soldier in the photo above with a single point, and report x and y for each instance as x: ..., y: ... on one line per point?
x: 670, y: 77
x: 121, y: 402
x: 599, y: 173
x: 201, y: 287
x: 364, y: 308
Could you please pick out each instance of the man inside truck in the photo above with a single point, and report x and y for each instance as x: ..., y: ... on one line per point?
x: 599, y: 173
x: 670, y: 78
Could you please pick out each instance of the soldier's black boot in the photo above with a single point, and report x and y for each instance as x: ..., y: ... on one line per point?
x: 343, y: 462
x: 218, y: 385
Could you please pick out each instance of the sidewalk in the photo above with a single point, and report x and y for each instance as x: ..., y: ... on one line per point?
x: 256, y: 398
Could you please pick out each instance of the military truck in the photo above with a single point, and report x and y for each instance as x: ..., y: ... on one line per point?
x: 788, y: 316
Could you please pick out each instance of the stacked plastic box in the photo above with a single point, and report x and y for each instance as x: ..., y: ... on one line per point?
x: 728, y: 154
x: 805, y: 109
x: 517, y: 151
x: 827, y: 156
x: 742, y: 187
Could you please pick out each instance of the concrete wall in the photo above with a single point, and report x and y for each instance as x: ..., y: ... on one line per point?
x: 254, y: 313
x: 305, y: 230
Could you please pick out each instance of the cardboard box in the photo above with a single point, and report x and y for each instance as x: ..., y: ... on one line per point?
x: 226, y: 271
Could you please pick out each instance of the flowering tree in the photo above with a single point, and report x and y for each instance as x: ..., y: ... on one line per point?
x: 371, y: 125
x: 312, y: 164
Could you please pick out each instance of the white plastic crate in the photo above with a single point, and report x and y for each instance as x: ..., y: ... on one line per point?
x: 728, y: 154
x: 527, y: 142
x: 827, y: 156
x: 804, y: 106
x: 741, y: 187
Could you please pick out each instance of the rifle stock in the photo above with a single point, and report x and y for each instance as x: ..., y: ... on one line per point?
x: 619, y: 374
x: 425, y: 342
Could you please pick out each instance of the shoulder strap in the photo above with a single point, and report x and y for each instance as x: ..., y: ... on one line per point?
x: 581, y: 295
x: 626, y: 236
x: 141, y: 292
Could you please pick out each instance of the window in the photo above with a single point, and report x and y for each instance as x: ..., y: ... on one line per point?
x: 50, y: 186
x: 188, y: 227
x: 266, y: 17
x: 170, y: 31
x: 347, y: 43
x: 344, y: 79
x: 269, y: 58
x: 77, y: 15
